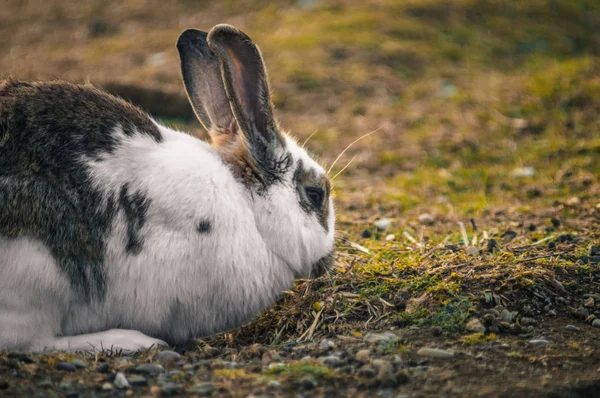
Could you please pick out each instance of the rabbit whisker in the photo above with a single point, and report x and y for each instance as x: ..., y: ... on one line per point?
x: 309, y: 137
x: 343, y: 168
x: 352, y: 143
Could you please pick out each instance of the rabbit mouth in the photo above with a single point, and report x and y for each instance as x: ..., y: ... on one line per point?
x: 323, y: 264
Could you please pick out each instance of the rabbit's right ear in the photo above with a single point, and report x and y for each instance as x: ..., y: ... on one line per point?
x: 204, y: 86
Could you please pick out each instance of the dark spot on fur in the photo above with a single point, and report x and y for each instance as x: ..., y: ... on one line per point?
x: 135, y: 206
x: 204, y: 226
x: 308, y: 178
x: 45, y: 190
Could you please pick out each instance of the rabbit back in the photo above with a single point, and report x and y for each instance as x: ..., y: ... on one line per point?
x: 46, y: 130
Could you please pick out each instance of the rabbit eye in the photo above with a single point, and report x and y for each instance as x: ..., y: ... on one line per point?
x: 315, y: 195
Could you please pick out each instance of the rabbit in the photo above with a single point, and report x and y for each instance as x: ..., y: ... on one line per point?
x: 119, y: 233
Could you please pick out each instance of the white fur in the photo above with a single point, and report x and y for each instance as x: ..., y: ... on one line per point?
x: 183, y: 283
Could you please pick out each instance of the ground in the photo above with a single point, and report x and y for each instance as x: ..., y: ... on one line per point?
x: 466, y: 223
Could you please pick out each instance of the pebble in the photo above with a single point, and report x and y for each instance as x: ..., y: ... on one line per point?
x: 426, y: 219
x: 386, y: 337
x: 382, y: 224
x: 203, y: 388
x: 149, y: 369
x: 385, y: 374
x: 136, y: 380
x: 435, y: 353
x: 308, y: 383
x: 390, y: 237
x: 332, y: 361
x: 572, y: 328
x: 66, y: 366
x: 596, y: 323
x: 581, y: 313
x: 107, y: 386
x: 273, y: 384
x: 525, y: 321
x: 79, y: 363
x: 573, y: 201
x: 170, y: 388
x: 472, y: 250
x: 367, y: 371
x: 120, y: 381
x: 46, y: 383
x: 475, y: 326
x: 363, y: 356
x: 523, y: 172
x: 506, y: 316
x: 166, y: 356
x: 539, y: 342
x: 327, y: 345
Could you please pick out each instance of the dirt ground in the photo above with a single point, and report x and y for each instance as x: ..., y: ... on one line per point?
x: 468, y: 222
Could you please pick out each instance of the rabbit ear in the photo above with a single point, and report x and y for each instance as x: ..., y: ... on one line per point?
x: 204, y: 85
x: 245, y: 80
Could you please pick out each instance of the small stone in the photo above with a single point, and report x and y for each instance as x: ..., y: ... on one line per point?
x: 552, y: 313
x: 170, y: 388
x: 136, y: 380
x: 149, y: 369
x: 64, y: 385
x: 327, y: 345
x: 270, y: 356
x: 367, y: 371
x: 382, y: 224
x: 572, y: 328
x: 381, y: 338
x: 589, y: 302
x: 581, y: 313
x: 308, y: 383
x: 332, y: 361
x: 107, y: 386
x: 203, y: 389
x: 522, y: 172
x: 435, y: 353
x: 46, y: 383
x: 525, y: 321
x: 506, y: 316
x: 120, y: 381
x: 66, y: 366
x: 596, y: 323
x: 539, y: 342
x: 390, y: 237
x: 573, y: 201
x: 401, y: 378
x: 363, y: 356
x: 475, y: 326
x: 166, y: 356
x: 385, y: 374
x: 426, y: 219
x: 366, y: 234
x: 274, y: 384
x: 79, y: 363
x: 437, y: 331
x: 472, y: 250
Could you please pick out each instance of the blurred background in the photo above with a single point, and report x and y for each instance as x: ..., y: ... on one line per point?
x: 477, y: 103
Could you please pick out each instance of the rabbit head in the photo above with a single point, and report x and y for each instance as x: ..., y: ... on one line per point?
x: 226, y: 82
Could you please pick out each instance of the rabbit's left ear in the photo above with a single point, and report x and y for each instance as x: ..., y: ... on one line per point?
x: 245, y: 80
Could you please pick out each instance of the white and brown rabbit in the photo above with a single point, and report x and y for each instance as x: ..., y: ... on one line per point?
x: 114, y: 228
